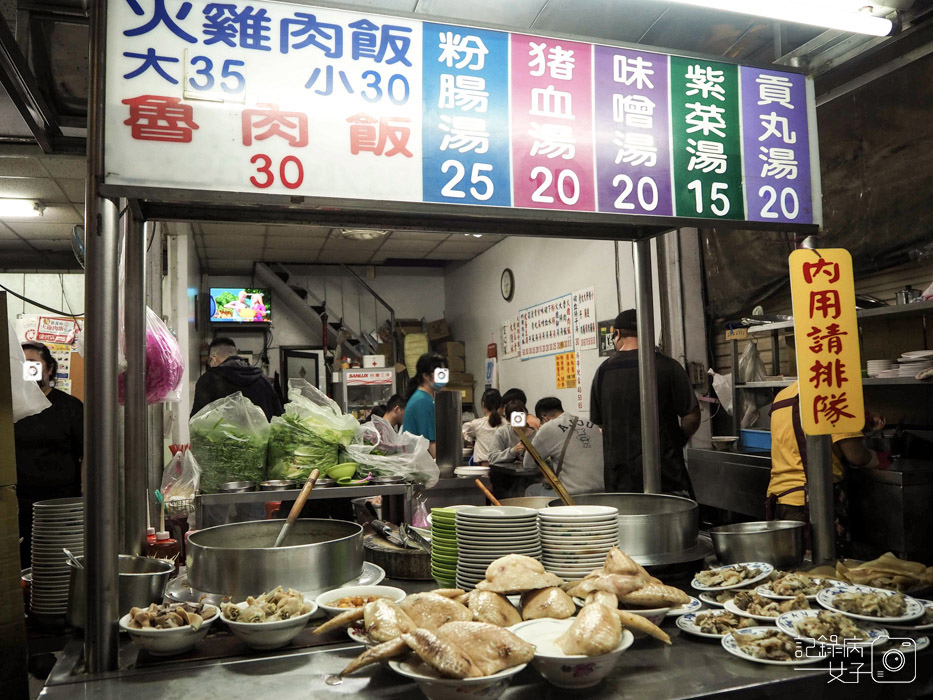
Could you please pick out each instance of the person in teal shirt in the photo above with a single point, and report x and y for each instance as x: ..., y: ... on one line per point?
x: 419, y: 411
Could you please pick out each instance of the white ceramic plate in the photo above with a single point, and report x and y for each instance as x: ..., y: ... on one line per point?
x: 324, y: 599
x: 693, y: 606
x: 909, y: 626
x: 914, y: 606
x: 730, y: 645
x: 736, y: 610
x: 765, y: 570
x: 578, y: 511
x: 764, y: 590
x: 688, y: 624
x: 786, y: 623
x: 710, y: 598
x: 497, y: 512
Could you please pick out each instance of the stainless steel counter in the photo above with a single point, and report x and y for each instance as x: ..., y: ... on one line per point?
x: 734, y: 481
x: 689, y: 668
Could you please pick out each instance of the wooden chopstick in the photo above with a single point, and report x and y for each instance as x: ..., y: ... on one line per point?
x: 488, y: 493
x: 550, y: 476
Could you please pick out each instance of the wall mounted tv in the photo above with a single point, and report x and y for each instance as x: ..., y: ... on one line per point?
x: 240, y: 305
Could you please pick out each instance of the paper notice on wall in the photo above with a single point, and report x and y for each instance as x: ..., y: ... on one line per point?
x: 565, y: 368
x: 579, y: 365
x: 547, y: 328
x: 585, y: 326
x: 511, y: 338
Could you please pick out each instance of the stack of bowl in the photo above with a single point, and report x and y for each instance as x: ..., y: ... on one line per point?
x: 56, y: 524
x: 576, y: 539
x: 444, y: 547
x: 486, y: 533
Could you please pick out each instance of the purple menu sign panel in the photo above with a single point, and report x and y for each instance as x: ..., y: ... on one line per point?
x: 632, y: 125
x: 776, y: 146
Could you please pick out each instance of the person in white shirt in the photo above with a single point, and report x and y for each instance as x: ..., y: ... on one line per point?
x: 582, y: 467
x: 481, y: 431
x: 506, y: 447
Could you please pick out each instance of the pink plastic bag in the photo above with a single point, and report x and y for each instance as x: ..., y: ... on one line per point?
x: 165, y: 366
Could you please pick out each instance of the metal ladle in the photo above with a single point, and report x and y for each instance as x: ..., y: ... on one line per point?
x: 296, y: 509
x: 73, y: 560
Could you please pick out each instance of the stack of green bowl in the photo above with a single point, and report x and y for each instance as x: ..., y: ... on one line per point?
x: 444, y: 547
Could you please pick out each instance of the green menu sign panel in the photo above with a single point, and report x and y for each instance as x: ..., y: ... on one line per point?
x: 706, y: 137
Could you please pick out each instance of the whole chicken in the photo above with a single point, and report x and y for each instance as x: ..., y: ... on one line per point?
x: 430, y: 610
x: 491, y: 648
x: 493, y: 608
x: 595, y: 631
x: 547, y: 602
x: 516, y: 573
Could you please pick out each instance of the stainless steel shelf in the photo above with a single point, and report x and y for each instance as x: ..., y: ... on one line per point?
x: 869, y: 381
x: 208, y: 499
x: 918, y: 308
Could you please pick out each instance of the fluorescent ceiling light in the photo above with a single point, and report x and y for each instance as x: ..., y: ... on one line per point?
x: 832, y: 14
x: 362, y: 234
x: 20, y: 208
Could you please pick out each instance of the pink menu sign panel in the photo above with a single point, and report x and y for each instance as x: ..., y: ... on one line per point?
x: 552, y: 124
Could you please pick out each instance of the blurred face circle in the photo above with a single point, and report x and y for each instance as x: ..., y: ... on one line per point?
x: 36, y: 356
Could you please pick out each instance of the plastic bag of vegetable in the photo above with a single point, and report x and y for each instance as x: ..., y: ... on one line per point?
x: 409, y: 458
x: 165, y: 366
x: 229, y: 438
x: 309, y: 435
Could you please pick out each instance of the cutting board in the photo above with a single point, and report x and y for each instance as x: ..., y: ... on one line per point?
x: 398, y: 562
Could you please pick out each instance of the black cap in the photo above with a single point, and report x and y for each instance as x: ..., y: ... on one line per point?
x: 626, y: 321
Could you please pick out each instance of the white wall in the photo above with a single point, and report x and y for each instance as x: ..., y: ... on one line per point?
x: 543, y: 269
x: 63, y: 291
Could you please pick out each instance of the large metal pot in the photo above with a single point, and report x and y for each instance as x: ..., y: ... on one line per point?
x: 649, y: 523
x: 239, y: 560
x: 778, y: 542
x: 142, y: 581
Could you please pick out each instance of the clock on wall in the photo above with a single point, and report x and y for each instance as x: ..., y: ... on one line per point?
x: 507, y: 284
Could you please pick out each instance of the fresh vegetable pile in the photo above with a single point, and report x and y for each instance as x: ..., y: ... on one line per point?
x: 229, y: 439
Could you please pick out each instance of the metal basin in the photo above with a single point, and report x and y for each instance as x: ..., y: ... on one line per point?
x: 649, y: 523
x: 239, y: 560
x: 142, y: 581
x: 778, y: 542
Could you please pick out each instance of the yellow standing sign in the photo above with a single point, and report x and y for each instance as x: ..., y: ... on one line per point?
x: 826, y: 336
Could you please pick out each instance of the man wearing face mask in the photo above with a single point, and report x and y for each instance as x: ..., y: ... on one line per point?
x: 49, y: 447
x: 227, y: 374
x: 615, y: 406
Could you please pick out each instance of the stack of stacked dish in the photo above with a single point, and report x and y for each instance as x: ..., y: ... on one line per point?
x: 471, y: 471
x: 912, y: 363
x: 576, y: 539
x: 877, y: 367
x: 485, y: 533
x: 56, y: 524
x: 444, y: 547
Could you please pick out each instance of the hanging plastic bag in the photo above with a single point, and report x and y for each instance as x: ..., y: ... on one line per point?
x: 410, y: 460
x: 722, y: 385
x: 165, y: 366
x: 28, y: 399
x: 229, y: 438
x: 180, y: 481
x: 752, y: 369
x: 309, y: 434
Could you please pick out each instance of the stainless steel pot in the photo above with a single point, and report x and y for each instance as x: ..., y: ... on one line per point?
x: 649, y: 523
x: 239, y: 560
x: 142, y: 581
x: 778, y: 542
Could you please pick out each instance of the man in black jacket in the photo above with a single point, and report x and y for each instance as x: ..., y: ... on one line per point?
x: 227, y: 374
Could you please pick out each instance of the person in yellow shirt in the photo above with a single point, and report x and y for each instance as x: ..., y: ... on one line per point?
x: 787, y: 497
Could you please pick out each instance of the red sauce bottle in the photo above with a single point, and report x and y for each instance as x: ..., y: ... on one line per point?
x: 165, y: 547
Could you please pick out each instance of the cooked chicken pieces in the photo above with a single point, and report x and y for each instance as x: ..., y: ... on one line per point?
x: 382, y: 620
x: 491, y: 648
x: 655, y: 595
x: 444, y: 657
x: 642, y: 624
x: 596, y: 630
x: 374, y: 655
x: 547, y: 602
x: 430, y: 610
x: 617, y: 584
x: 493, y: 608
x: 515, y: 573
x: 603, y: 598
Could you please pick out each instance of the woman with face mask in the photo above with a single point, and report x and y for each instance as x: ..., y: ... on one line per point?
x: 49, y: 447
x: 419, y: 411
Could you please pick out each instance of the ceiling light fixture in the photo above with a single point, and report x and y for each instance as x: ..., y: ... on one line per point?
x: 363, y: 234
x: 475, y: 235
x: 20, y: 208
x: 831, y: 14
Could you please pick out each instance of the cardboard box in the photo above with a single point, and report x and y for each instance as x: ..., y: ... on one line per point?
x: 456, y: 364
x: 466, y: 393
x: 461, y: 378
x: 407, y: 326
x: 438, y: 330
x: 452, y: 348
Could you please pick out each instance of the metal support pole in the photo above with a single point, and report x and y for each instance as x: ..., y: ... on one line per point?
x: 153, y: 234
x: 101, y: 452
x: 819, y: 469
x: 647, y: 370
x: 135, y: 415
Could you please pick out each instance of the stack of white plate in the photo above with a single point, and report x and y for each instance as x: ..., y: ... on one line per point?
x: 471, y: 471
x: 913, y: 362
x: 876, y: 367
x: 486, y: 533
x: 576, y: 539
x: 56, y: 524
